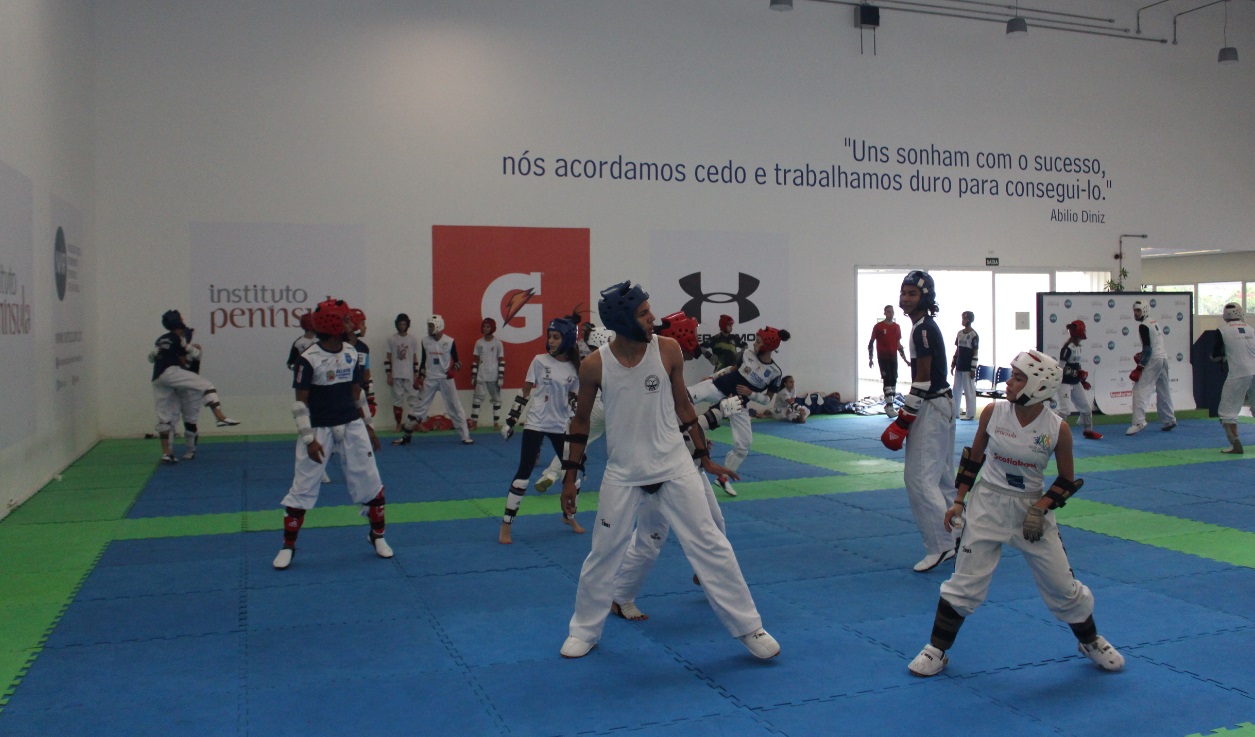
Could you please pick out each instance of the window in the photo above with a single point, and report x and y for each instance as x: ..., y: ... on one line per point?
x: 1212, y: 296
x: 1179, y: 288
x: 1250, y: 297
x: 1081, y: 281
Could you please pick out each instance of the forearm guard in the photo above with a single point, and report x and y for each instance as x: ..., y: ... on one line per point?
x: 1062, y: 490
x: 969, y: 467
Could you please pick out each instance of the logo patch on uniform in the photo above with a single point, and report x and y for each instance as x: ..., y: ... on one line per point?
x: 331, y: 376
x: 1042, y: 443
x: 652, y: 383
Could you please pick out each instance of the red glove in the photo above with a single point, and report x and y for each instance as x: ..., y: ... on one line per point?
x: 450, y: 373
x: 1086, y: 385
x: 896, y: 433
x: 1135, y: 374
x: 1083, y: 375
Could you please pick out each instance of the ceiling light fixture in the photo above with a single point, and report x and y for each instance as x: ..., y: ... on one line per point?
x: 1228, y: 54
x: 1017, y: 27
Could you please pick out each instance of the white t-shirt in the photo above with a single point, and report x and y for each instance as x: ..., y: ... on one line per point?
x: 403, y: 349
x: 1016, y: 457
x: 1239, y: 348
x: 490, y: 354
x: 643, y: 439
x: 548, y: 407
x: 439, y: 355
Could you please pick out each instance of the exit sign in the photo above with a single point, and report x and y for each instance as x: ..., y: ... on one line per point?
x: 991, y: 261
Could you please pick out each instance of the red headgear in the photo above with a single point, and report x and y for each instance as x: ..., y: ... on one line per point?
x: 682, y: 328
x: 1077, y: 329
x: 307, y: 321
x: 490, y: 323
x: 725, y: 322
x: 357, y: 319
x: 328, y: 317
x: 771, y: 338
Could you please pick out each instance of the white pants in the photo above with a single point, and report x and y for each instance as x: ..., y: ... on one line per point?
x: 929, y: 471
x: 596, y: 428
x: 489, y: 390
x: 1154, y: 381
x: 1236, y: 390
x: 994, y: 518
x: 647, y: 541
x: 404, y: 394
x: 1075, y: 398
x: 964, y: 386
x: 453, y: 404
x: 357, y: 458
x: 178, y: 393
x: 682, y: 502
x: 740, y: 423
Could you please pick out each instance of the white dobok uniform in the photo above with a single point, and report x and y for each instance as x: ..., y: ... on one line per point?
x: 645, y: 447
x: 1239, y: 385
x: 438, y: 353
x: 1154, y: 380
x: 1010, y: 482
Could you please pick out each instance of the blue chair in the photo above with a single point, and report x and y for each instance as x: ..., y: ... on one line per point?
x: 984, y: 373
x: 1000, y: 378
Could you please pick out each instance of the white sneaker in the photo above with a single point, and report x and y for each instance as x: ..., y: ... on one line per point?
x: 542, y: 484
x: 1102, y: 653
x: 726, y: 485
x: 1135, y: 429
x: 761, y: 644
x: 168, y: 458
x: 188, y: 455
x: 227, y: 422
x: 929, y: 662
x: 284, y: 558
x: 382, y: 549
x: 574, y: 647
x: 930, y: 562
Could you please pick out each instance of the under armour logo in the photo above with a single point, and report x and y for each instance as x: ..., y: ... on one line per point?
x: 746, y: 285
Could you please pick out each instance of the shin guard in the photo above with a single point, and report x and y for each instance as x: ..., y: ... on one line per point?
x: 945, y: 625
x: 375, y: 513
x: 292, y: 521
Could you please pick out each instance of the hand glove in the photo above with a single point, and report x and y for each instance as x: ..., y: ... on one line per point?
x: 508, y: 430
x: 1034, y: 523
x: 895, y: 435
x: 370, y: 402
x: 1083, y: 375
x: 1086, y: 385
x: 1135, y: 374
x: 450, y: 373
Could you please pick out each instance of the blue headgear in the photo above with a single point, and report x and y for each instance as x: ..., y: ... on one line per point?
x: 928, y: 290
x: 618, y: 306
x: 566, y: 329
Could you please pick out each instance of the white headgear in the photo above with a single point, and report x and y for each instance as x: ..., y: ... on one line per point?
x: 1232, y: 311
x: 599, y: 336
x: 437, y: 322
x: 1142, y: 307
x: 1044, y: 377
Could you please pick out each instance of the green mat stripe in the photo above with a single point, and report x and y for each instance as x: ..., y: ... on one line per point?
x: 813, y: 455
x: 1224, y: 544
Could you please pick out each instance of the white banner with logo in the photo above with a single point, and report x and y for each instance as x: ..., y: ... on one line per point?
x: 250, y: 284
x: 17, y: 292
x: 69, y: 349
x: 707, y: 274
x: 1112, y: 340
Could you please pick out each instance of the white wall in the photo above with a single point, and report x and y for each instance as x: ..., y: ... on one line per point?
x: 396, y: 116
x: 46, y: 140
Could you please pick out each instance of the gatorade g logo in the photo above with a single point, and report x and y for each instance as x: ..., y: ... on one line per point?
x: 509, y: 301
x: 746, y: 285
x: 520, y: 277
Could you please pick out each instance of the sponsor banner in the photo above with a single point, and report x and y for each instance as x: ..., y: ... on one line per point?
x: 1113, y: 340
x: 17, y: 315
x: 707, y: 274
x: 250, y: 284
x: 520, y: 277
x: 69, y: 348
